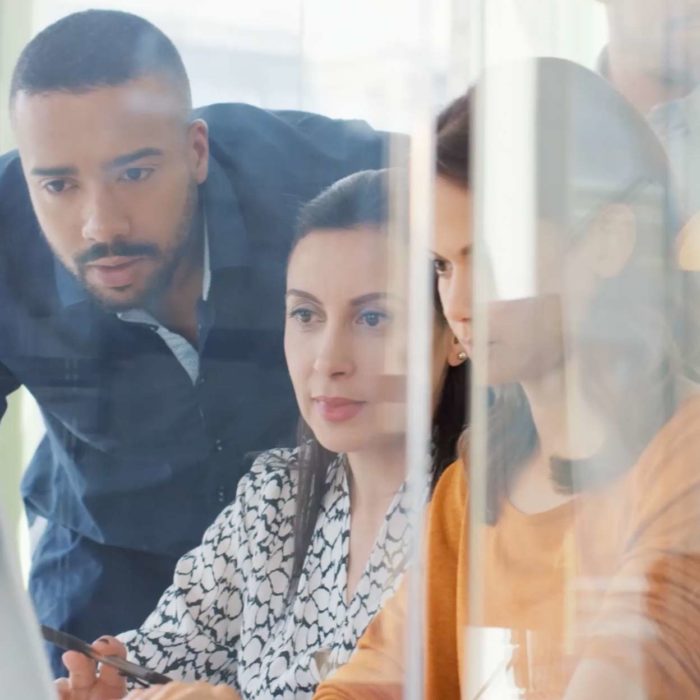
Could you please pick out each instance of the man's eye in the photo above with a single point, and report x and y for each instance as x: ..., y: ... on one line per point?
x: 136, y: 174
x: 56, y: 186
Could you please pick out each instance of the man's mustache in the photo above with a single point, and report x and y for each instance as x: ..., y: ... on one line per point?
x: 117, y: 249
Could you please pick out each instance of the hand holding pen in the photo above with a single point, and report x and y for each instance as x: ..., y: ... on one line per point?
x: 85, y: 681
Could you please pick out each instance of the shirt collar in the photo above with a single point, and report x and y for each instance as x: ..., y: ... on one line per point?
x: 138, y: 315
x: 226, y: 243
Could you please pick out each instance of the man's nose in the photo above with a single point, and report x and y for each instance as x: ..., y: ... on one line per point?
x: 104, y: 218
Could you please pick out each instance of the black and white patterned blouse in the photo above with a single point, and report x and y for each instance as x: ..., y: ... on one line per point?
x: 226, y: 619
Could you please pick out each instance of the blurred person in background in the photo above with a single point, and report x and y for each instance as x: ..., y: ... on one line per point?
x: 653, y: 51
x: 575, y: 569
x: 653, y: 59
x: 142, y: 264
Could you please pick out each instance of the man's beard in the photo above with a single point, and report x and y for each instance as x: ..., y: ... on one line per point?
x: 185, y: 236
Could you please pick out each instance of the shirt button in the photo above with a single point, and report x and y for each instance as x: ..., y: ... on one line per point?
x: 219, y: 445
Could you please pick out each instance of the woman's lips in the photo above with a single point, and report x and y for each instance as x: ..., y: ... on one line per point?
x: 114, y: 272
x: 337, y: 410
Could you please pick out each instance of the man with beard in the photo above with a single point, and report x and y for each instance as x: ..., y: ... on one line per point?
x: 142, y: 255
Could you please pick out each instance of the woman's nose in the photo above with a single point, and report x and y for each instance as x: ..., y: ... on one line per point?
x: 334, y: 357
x: 457, y: 301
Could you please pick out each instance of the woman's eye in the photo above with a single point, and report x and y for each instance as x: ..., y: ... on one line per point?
x: 373, y: 318
x: 136, y: 174
x: 302, y: 315
x: 440, y: 266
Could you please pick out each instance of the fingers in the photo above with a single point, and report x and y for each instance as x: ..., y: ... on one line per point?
x: 185, y: 691
x: 81, y: 675
x: 84, y: 682
x: 147, y: 694
x: 226, y: 693
x: 113, y: 685
x: 62, y: 686
x: 110, y: 646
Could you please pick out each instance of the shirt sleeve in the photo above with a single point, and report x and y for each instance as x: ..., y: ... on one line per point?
x: 649, y: 624
x: 193, y: 633
x: 8, y: 384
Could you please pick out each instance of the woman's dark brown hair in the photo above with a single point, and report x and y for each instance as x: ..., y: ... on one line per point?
x: 591, y: 150
x: 361, y: 201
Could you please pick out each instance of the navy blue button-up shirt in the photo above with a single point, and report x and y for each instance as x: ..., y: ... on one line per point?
x: 136, y: 456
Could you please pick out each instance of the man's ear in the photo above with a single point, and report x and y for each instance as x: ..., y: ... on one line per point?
x: 198, y: 148
x: 613, y: 238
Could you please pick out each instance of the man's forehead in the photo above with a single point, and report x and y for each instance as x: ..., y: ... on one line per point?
x: 55, y: 128
x: 147, y: 101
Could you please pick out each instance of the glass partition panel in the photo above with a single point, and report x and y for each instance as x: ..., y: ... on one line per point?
x: 583, y: 544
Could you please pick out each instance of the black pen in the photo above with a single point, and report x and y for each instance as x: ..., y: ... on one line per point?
x: 140, y: 675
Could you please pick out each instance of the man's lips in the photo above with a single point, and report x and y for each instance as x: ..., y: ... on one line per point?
x: 114, y: 272
x: 337, y: 409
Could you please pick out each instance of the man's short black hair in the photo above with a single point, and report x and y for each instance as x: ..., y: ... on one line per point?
x: 97, y: 48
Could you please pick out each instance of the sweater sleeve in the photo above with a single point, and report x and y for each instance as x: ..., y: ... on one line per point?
x: 649, y: 624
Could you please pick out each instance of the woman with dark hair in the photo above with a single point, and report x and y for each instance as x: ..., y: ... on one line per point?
x: 569, y: 552
x: 289, y: 576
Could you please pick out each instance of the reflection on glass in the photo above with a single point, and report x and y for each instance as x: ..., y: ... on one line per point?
x: 177, y: 287
x: 587, y: 486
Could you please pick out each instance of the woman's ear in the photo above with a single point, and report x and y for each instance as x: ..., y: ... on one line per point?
x: 613, y: 237
x: 456, y: 354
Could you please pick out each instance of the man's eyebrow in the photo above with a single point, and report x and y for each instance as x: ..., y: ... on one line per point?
x: 61, y: 171
x: 118, y: 162
x: 127, y: 158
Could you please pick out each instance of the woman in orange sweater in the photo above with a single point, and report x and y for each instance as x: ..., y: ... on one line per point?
x: 572, y: 569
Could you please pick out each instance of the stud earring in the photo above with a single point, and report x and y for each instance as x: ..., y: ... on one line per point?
x: 462, y: 356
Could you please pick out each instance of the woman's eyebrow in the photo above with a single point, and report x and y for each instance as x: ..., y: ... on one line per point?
x: 303, y: 295
x: 466, y: 250
x: 374, y: 296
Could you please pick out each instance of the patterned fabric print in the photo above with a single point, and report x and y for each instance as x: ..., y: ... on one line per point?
x: 225, y: 618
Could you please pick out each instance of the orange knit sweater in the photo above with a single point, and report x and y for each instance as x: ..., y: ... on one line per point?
x: 611, y: 576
